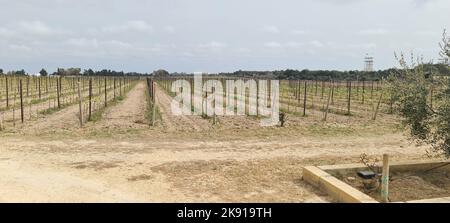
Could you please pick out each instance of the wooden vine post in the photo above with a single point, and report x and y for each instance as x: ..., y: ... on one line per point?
x: 21, y: 99
x: 58, y: 90
x: 7, y: 94
x: 106, y: 95
x: 40, y: 88
x: 304, y: 99
x: 154, y: 103
x: 80, y: 104
x: 385, y: 179
x: 328, y: 103
x: 378, y: 107
x: 349, y: 86
x: 90, y: 99
x: 363, y: 90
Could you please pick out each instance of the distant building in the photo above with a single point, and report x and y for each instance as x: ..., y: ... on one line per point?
x: 368, y: 63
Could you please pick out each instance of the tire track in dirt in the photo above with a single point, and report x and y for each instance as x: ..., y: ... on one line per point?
x: 178, y: 122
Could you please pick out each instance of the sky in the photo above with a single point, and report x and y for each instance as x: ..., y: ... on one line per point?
x: 217, y: 35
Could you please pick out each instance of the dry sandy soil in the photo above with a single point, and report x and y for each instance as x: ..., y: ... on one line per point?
x: 182, y: 159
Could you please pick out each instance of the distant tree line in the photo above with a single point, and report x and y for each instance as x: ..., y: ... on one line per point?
x: 90, y: 72
x: 289, y: 74
x: 436, y: 69
x: 76, y: 72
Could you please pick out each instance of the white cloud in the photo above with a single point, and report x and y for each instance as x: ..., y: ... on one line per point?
x: 243, y: 50
x: 169, y: 29
x: 427, y: 33
x: 6, y: 33
x: 19, y: 47
x: 35, y: 28
x: 273, y: 44
x: 363, y: 46
x: 82, y: 42
x: 95, y: 44
x: 130, y: 26
x: 316, y: 43
x: 214, y: 45
x: 116, y: 44
x: 271, y: 29
x: 295, y: 44
x: 378, y: 31
x: 187, y: 54
x: 299, y: 32
x: 30, y: 31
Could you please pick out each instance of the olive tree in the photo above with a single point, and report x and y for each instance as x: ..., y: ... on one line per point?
x: 427, y: 116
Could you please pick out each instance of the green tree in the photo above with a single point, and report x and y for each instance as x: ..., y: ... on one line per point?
x: 19, y: 72
x: 411, y: 87
x: 160, y: 73
x: 43, y: 72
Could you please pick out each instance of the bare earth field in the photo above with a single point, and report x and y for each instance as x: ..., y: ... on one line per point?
x: 183, y: 159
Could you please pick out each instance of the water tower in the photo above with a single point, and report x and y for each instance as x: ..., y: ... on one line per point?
x: 368, y: 63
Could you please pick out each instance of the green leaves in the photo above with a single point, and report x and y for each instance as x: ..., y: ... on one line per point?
x: 426, y: 115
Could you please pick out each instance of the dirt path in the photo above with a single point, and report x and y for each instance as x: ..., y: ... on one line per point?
x: 65, y: 120
x: 183, y: 170
x: 34, y: 184
x: 129, y: 113
x: 178, y: 123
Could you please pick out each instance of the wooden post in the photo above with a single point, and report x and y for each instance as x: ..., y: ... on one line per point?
x: 14, y: 108
x: 357, y: 88
x: 114, y: 88
x: 28, y: 86
x: 328, y: 103
x: 57, y: 90
x: 349, y: 86
x: 323, y: 86
x: 106, y: 95
x: 288, y: 95
x: 304, y: 99
x: 371, y: 91
x: 7, y: 94
x: 120, y: 86
x: 385, y: 179
x: 39, y: 88
x: 21, y: 100
x: 363, y: 91
x: 29, y: 99
x: 378, y: 107
x: 332, y: 93
x: 80, y: 103
x: 315, y: 94
x: 257, y: 100
x: 214, y: 104
x: 298, y: 90
x: 90, y: 99
x: 154, y: 103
